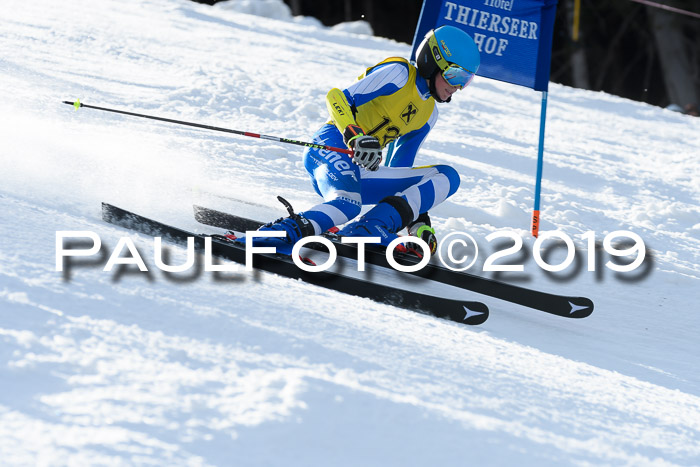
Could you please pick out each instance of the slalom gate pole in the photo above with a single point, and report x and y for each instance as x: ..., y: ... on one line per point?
x: 535, y: 226
x: 77, y: 104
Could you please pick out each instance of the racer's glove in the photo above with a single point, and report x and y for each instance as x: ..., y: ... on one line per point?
x: 421, y: 228
x: 367, y: 151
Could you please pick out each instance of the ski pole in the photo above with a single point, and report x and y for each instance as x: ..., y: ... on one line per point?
x: 77, y: 104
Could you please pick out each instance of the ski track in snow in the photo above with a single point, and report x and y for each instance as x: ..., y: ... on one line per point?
x: 253, y: 369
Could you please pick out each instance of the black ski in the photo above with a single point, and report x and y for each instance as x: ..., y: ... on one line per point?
x: 560, y: 305
x: 461, y: 311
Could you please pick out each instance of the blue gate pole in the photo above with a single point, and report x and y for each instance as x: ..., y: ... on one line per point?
x: 540, y: 162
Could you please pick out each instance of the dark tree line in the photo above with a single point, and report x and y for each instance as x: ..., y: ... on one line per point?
x: 632, y: 50
x: 624, y: 48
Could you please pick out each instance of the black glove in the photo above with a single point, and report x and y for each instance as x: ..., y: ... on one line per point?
x: 422, y: 229
x: 367, y: 151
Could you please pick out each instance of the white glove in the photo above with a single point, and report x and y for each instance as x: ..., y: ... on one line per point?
x: 368, y: 152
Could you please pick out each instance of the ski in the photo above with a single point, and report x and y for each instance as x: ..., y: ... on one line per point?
x: 560, y: 305
x: 460, y: 311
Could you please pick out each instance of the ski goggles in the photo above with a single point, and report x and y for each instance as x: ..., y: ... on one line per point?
x: 457, y: 76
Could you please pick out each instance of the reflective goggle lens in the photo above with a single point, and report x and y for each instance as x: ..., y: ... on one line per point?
x: 457, y: 76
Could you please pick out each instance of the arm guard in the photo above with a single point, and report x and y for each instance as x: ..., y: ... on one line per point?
x: 340, y: 110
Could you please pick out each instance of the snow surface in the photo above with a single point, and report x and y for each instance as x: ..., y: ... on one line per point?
x: 126, y: 367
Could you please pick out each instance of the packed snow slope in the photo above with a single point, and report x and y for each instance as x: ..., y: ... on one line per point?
x: 126, y: 367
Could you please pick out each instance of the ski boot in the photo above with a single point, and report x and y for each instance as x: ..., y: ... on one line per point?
x: 389, y: 216
x: 295, y: 226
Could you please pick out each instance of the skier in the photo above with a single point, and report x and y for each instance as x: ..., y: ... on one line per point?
x: 392, y: 104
